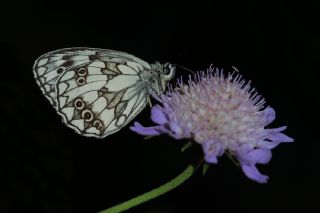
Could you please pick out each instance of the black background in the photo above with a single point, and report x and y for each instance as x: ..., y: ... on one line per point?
x: 46, y: 167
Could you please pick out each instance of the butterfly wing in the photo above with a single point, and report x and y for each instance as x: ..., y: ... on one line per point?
x: 96, y: 92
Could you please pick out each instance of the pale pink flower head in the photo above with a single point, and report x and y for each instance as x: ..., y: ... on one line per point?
x: 221, y: 113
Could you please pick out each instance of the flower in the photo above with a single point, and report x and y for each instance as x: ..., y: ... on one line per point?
x: 221, y: 113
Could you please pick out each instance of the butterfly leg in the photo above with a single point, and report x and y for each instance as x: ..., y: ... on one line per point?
x: 149, y: 102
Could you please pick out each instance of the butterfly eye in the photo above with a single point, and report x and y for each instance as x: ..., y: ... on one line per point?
x: 87, y: 115
x: 169, y: 71
x: 81, y: 81
x: 98, y: 124
x: 79, y: 104
x: 82, y: 71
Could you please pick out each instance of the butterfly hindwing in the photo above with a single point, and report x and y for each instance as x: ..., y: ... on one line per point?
x: 100, y: 98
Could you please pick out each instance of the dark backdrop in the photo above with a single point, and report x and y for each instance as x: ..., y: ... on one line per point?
x: 46, y: 167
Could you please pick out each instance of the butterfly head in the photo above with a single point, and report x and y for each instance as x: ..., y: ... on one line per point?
x: 161, y: 75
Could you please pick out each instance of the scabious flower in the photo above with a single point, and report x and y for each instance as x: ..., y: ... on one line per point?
x: 222, y: 114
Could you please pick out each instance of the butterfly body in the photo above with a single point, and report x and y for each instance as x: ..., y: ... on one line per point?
x: 98, y: 91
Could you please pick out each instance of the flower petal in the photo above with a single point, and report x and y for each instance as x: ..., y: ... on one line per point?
x: 211, y: 158
x: 212, y: 151
x: 269, y: 115
x: 253, y: 173
x: 274, y: 138
x: 260, y: 156
x: 267, y: 144
x: 280, y: 137
x: 279, y: 129
x: 138, y: 128
x: 157, y: 115
x: 175, y: 128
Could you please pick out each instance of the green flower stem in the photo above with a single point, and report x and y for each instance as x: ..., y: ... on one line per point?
x: 186, y: 174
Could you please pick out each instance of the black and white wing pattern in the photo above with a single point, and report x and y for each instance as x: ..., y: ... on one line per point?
x: 96, y: 91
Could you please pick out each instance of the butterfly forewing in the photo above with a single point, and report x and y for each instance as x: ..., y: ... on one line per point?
x: 97, y: 92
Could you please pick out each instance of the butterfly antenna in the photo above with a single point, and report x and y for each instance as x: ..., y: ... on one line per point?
x: 185, y: 68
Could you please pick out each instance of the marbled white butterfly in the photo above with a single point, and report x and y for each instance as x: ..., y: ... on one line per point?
x: 99, y: 91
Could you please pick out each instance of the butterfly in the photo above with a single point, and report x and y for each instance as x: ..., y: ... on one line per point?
x: 99, y: 91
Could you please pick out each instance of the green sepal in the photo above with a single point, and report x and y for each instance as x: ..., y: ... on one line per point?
x: 186, y: 146
x: 230, y: 156
x: 205, y: 168
x: 148, y: 137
